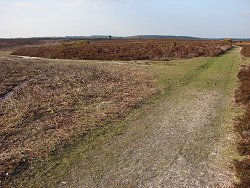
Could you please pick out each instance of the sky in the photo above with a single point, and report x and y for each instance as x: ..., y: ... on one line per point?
x: 199, y: 18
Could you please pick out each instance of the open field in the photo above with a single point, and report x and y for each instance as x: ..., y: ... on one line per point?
x: 193, y: 104
x: 124, y: 94
x: 7, y: 44
x: 43, y: 104
x: 60, y: 116
x: 128, y: 49
x: 10, y: 44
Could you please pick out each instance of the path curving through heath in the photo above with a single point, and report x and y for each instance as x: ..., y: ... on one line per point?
x: 186, y: 140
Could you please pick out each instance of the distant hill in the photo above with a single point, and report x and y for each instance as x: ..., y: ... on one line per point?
x: 238, y: 39
x: 103, y: 37
x: 151, y: 37
x: 134, y: 37
x: 162, y: 37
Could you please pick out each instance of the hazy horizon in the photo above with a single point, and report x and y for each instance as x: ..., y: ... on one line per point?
x: 58, y: 18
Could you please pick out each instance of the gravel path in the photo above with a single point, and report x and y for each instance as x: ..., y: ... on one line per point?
x: 171, y: 146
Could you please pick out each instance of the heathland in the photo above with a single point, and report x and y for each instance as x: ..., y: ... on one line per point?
x: 123, y: 113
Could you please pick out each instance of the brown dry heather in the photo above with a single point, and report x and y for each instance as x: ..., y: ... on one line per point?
x: 10, y: 44
x: 246, y: 50
x: 243, y: 128
x: 13, y: 43
x: 44, y: 104
x: 128, y: 49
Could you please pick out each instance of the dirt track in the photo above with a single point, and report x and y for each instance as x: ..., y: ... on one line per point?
x: 185, y: 141
x: 178, y: 144
x: 173, y: 148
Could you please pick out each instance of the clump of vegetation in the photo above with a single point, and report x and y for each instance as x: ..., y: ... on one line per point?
x: 246, y: 50
x: 174, y: 44
x: 75, y: 43
x: 128, y: 50
x: 243, y: 128
x: 43, y: 105
x: 228, y: 41
x: 245, y: 47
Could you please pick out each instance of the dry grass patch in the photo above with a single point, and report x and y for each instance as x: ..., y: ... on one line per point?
x: 43, y: 105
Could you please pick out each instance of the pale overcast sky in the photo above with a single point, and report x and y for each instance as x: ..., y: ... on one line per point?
x: 201, y: 18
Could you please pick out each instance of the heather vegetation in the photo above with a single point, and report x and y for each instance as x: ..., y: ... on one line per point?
x: 128, y: 49
x: 246, y: 50
x: 47, y: 105
x: 243, y: 128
